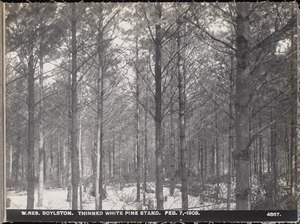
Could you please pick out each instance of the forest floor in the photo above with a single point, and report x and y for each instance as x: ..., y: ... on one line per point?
x: 117, y: 199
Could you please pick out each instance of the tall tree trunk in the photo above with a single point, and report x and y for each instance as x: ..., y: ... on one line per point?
x: 63, y: 170
x: 293, y: 98
x: 58, y: 167
x: 30, y: 149
x: 80, y: 157
x: 158, y: 111
x: 223, y: 161
x: 217, y: 154
x: 230, y: 136
x: 137, y: 114
x: 274, y: 160
x: 213, y: 160
x: 69, y: 153
x: 260, y: 148
x: 109, y: 162
x: 51, y: 159
x: 173, y: 152
x: 113, y: 157
x: 242, y: 95
x: 100, y: 97
x: 201, y: 145
x: 268, y: 159
x: 146, y: 150
x: 45, y: 167
x: 190, y: 148
x: 74, y: 111
x: 287, y: 152
x: 254, y: 157
x: 10, y: 173
x: 205, y: 159
x: 41, y: 135
x: 182, y: 122
x: 200, y: 165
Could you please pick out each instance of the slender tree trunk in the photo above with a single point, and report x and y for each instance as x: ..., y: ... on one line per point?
x: 69, y: 166
x: 10, y: 173
x: 182, y: 122
x: 242, y: 95
x: 137, y: 114
x: 24, y: 171
x: 109, y: 163
x: 230, y: 146
x: 268, y: 159
x: 120, y: 161
x: 51, y: 159
x: 69, y: 174
x: 41, y: 136
x: 80, y: 158
x: 100, y: 97
x: 74, y: 111
x: 223, y: 161
x: 63, y: 170
x: 94, y: 157
x: 101, y: 177
x: 113, y: 156
x: 146, y: 150
x: 213, y: 160
x: 217, y: 154
x: 30, y: 149
x: 293, y: 78
x: 274, y: 160
x: 173, y: 152
x: 287, y: 152
x: 230, y: 136
x: 260, y: 148
x: 45, y: 166
x: 205, y: 159
x: 97, y: 179
x: 190, y: 161
x: 250, y: 156
x: 200, y: 166
x: 201, y: 145
x: 158, y: 111
x: 58, y: 166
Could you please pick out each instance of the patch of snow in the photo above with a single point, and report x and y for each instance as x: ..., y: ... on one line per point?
x: 118, y: 199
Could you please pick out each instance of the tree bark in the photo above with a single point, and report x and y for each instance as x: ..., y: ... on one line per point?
x: 30, y: 149
x: 41, y: 135
x: 158, y: 111
x: 242, y: 95
x: 58, y: 164
x: 273, y: 133
x: 80, y: 158
x: 230, y: 136
x: 113, y: 157
x: 173, y: 153
x: 217, y: 154
x: 182, y: 122
x: 205, y: 160
x: 293, y: 132
x: 63, y: 170
x: 74, y: 111
x: 10, y: 173
x: 146, y: 150
x: 260, y: 148
x: 69, y: 166
x: 100, y: 98
x: 137, y: 117
x: 109, y: 163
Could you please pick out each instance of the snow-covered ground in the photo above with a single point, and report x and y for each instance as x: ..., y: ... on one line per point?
x: 116, y: 200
